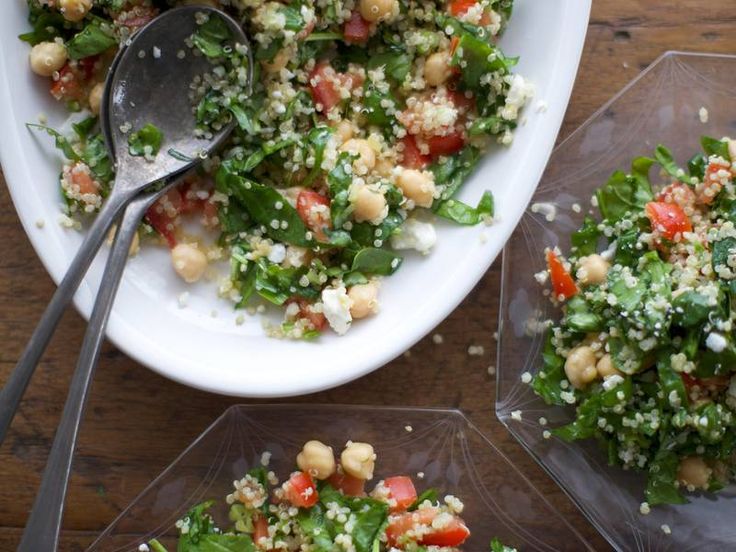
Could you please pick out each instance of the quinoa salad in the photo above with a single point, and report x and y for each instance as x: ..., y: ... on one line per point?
x: 324, y: 507
x: 364, y: 120
x: 645, y: 347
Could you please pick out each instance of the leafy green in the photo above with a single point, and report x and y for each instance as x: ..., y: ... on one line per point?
x: 146, y: 141
x: 277, y: 284
x: 691, y: 309
x: 664, y: 157
x: 580, y: 318
x: 47, y: 25
x: 459, y: 212
x: 61, y: 141
x: 697, y: 165
x: 546, y: 383
x: 722, y: 250
x: 478, y: 57
x: 156, y: 546
x: 374, y: 100
x: 454, y: 171
x: 94, y: 39
x: 661, y: 488
x: 338, y: 181
x: 497, y: 546
x: 317, y: 139
x: 432, y: 495
x: 624, y: 193
x: 266, y: 206
x: 396, y: 64
x: 713, y: 146
x: 212, y: 37
x: 376, y: 261
x: 585, y: 240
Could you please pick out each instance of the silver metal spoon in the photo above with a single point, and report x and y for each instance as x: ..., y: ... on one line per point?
x: 42, y: 530
x: 150, y: 85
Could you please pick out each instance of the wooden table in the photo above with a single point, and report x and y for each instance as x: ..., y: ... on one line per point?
x: 137, y: 422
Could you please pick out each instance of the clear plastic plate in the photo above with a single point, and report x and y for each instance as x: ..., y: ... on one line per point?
x: 454, y: 457
x: 663, y: 105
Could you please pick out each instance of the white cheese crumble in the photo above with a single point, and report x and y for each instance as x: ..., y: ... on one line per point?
x: 336, y: 308
x: 417, y: 235
x: 516, y: 415
x: 716, y: 342
x: 612, y: 381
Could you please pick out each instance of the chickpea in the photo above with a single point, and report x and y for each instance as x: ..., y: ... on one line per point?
x: 344, y: 131
x: 437, y: 68
x: 384, y: 167
x: 317, y: 459
x: 95, y: 97
x: 732, y: 148
x: 605, y: 367
x: 189, y: 262
x: 417, y: 186
x: 369, y: 205
x: 358, y: 460
x: 366, y: 156
x: 377, y: 10
x: 365, y: 300
x: 593, y: 270
x: 580, y: 366
x: 47, y: 57
x: 279, y: 61
x: 694, y: 472
x: 74, y: 10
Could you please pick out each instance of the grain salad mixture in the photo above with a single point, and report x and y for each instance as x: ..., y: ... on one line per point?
x: 324, y: 507
x: 645, y: 348
x: 365, y: 119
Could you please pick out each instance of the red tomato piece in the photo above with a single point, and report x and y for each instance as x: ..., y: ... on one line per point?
x: 461, y: 101
x: 68, y: 86
x: 668, y: 219
x: 446, y: 145
x: 356, y: 30
x: 459, y: 7
x: 162, y: 215
x: 314, y: 209
x: 323, y: 88
x: 349, y: 485
x: 301, y: 490
x: 260, y: 528
x: 136, y: 17
x: 563, y: 283
x: 454, y: 533
x: 402, y: 491
x: 411, y: 156
x: 715, y: 381
x: 317, y: 319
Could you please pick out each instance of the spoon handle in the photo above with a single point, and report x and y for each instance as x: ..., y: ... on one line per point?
x: 12, y: 392
x: 42, y: 529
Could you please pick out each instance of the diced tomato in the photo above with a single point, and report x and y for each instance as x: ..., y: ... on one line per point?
x: 668, y: 219
x: 446, y: 145
x: 209, y: 214
x: 460, y: 100
x: 402, y: 491
x: 163, y: 214
x: 712, y: 184
x: 67, y: 87
x: 563, y: 283
x: 323, y: 90
x: 136, y: 17
x: 704, y: 383
x: 260, y: 528
x: 454, y: 533
x: 317, y: 319
x: 301, y: 490
x: 411, y: 156
x: 356, y: 30
x: 349, y: 485
x: 314, y: 209
x: 459, y: 7
x: 81, y: 177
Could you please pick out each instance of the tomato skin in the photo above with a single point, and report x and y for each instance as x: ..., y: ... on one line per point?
x: 453, y: 534
x: 459, y: 7
x: 349, y: 485
x: 668, y: 219
x: 309, y: 207
x: 323, y: 91
x: 446, y: 145
x: 411, y: 157
x: 301, y: 490
x: 356, y: 30
x: 163, y: 214
x: 715, y: 381
x: 563, y: 283
x: 402, y: 491
x: 317, y: 319
x: 260, y: 528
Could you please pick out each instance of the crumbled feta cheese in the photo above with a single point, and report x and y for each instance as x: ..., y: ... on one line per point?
x: 516, y: 415
x: 415, y: 234
x: 336, y: 308
x: 612, y: 381
x: 526, y: 377
x: 716, y: 342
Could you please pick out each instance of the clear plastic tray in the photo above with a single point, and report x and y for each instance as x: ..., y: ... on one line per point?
x: 662, y: 105
x: 454, y: 456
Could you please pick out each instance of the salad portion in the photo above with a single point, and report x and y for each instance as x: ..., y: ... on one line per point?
x: 645, y: 347
x: 365, y: 119
x: 324, y: 507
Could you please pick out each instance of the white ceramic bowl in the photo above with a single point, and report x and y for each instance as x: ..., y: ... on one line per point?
x: 192, y: 346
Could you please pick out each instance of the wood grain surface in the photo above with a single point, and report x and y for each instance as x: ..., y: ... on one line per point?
x: 137, y: 422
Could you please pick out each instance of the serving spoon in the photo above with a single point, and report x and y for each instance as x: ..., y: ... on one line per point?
x: 147, y: 83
